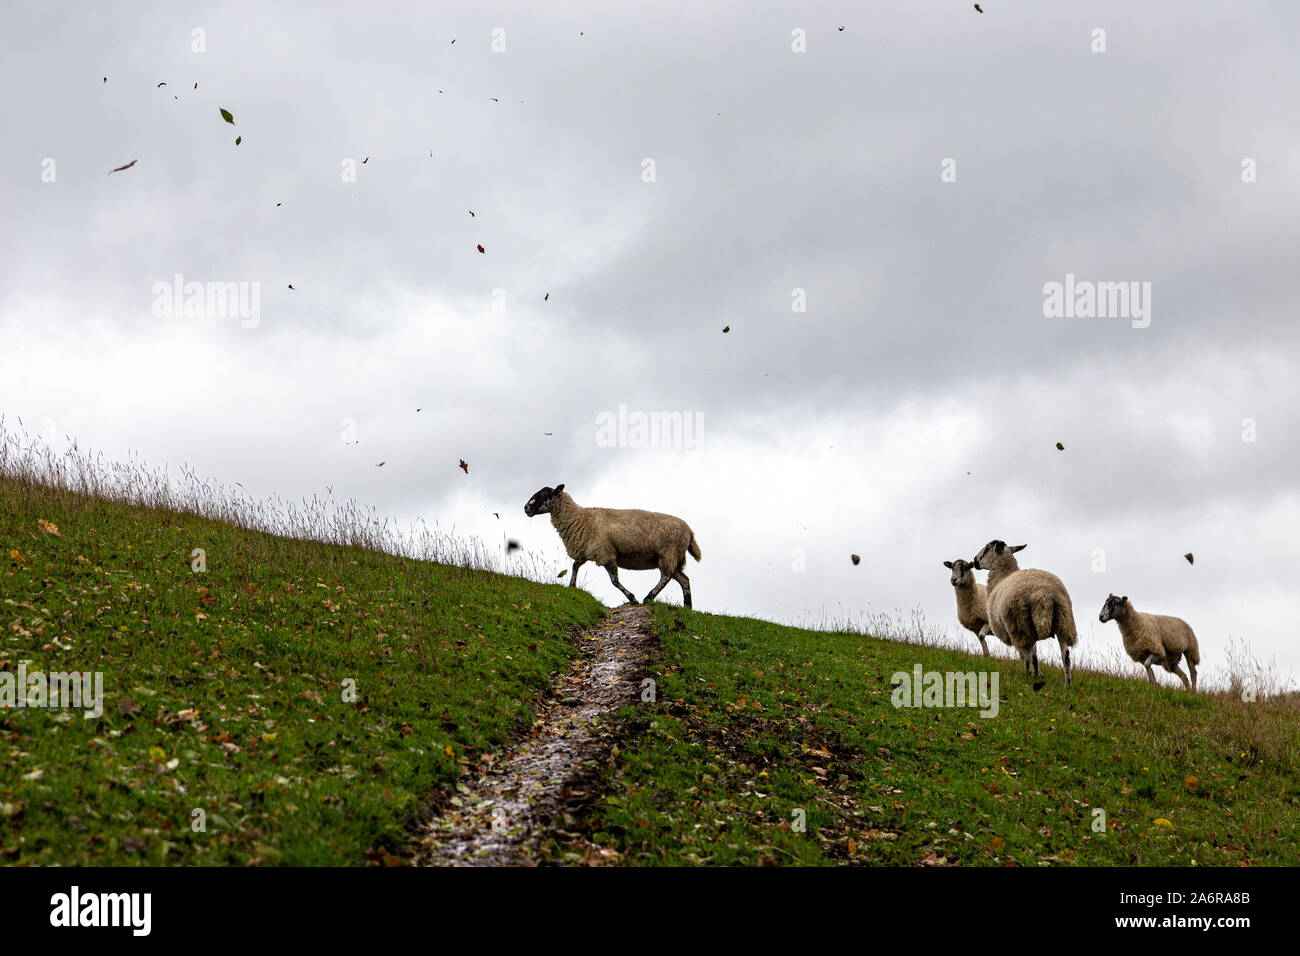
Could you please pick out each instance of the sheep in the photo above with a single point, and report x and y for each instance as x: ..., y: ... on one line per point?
x: 972, y: 600
x: 1154, y: 639
x: 1026, y: 606
x: 615, y: 538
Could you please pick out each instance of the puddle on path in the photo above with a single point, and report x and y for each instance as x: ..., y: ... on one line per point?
x: 504, y: 814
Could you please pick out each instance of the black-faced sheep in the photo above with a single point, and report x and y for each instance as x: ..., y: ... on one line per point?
x: 972, y: 600
x: 1026, y: 606
x: 616, y: 538
x: 1154, y: 638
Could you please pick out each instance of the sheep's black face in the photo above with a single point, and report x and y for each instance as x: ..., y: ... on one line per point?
x: 991, y: 551
x: 1112, y: 609
x: 961, y: 571
x: 542, y: 502
x: 987, y: 553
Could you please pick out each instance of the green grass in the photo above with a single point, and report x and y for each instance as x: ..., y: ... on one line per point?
x: 224, y: 690
x: 755, y: 721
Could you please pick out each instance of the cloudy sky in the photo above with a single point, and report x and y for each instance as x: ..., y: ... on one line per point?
x: 875, y: 212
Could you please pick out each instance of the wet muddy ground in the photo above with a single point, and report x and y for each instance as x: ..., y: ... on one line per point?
x: 514, y: 813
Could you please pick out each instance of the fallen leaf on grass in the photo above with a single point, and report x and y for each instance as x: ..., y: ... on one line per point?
x: 47, y: 527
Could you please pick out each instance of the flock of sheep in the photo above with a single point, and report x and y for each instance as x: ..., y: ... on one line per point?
x: 1021, y: 607
x: 1018, y: 606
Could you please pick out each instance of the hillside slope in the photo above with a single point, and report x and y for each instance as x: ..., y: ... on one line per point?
x: 756, y: 722
x: 224, y: 689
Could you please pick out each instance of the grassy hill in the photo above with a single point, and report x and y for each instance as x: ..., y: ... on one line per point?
x: 226, y: 691
x: 755, y: 721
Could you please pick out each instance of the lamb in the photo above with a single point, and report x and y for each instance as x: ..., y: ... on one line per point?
x: 615, y: 538
x: 1026, y: 606
x: 1154, y: 639
x: 972, y: 600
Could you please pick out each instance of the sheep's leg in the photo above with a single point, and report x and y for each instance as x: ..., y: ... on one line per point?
x: 664, y: 578
x: 1065, y: 658
x: 1147, y: 662
x: 681, y: 578
x: 573, y: 575
x: 1192, y: 667
x: 984, y: 645
x: 1171, y: 664
x: 612, y: 568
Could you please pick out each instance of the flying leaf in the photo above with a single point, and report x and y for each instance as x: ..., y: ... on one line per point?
x: 481, y: 249
x: 726, y: 329
x: 547, y: 297
x: 512, y: 546
x: 464, y: 466
x: 238, y: 140
x: 1060, y: 447
x: 563, y: 573
x: 160, y: 86
x: 227, y: 115
x: 120, y: 168
x: 382, y: 463
x: 1190, y: 559
x: 857, y: 558
x: 471, y: 212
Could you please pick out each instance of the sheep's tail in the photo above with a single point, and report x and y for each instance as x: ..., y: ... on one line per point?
x: 694, y: 548
x: 1193, y: 652
x: 1065, y: 622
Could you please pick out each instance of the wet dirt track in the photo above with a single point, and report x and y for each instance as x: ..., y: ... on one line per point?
x: 503, y: 817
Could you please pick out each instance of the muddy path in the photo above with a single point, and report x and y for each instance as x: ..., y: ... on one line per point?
x: 523, y: 803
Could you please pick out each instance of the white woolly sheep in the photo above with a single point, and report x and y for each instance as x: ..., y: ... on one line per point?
x: 972, y: 600
x: 1154, y: 638
x: 616, y: 538
x: 1026, y: 606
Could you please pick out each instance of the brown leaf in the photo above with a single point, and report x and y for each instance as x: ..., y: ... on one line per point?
x: 129, y: 706
x: 464, y: 466
x: 120, y: 168
x: 480, y: 248
x: 1190, y: 559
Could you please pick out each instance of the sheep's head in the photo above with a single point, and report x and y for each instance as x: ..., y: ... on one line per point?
x: 962, y: 572
x: 993, y: 551
x: 1114, y: 608
x: 542, y: 502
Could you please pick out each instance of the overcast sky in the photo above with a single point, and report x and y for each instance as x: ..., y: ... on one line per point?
x: 914, y: 180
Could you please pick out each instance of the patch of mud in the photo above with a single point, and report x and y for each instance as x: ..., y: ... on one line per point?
x: 504, y: 817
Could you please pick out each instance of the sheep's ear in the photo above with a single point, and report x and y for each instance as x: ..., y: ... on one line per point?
x: 1124, y: 599
x: 1019, y: 547
x: 947, y: 564
x: 559, y: 488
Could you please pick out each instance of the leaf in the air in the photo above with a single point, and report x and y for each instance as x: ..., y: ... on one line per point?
x: 227, y: 115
